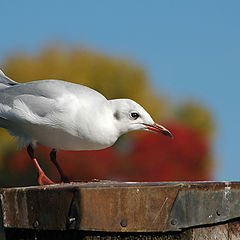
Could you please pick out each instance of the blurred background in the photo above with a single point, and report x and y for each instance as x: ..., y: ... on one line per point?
x: 178, y: 59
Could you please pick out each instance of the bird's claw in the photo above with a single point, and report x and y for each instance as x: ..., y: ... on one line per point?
x: 65, y: 179
x: 44, y: 180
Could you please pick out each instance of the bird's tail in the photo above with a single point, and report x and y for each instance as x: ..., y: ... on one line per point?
x: 6, y: 81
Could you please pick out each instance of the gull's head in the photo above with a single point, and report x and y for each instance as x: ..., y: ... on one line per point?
x: 130, y: 116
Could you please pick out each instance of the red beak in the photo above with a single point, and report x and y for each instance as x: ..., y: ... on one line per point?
x: 159, y: 129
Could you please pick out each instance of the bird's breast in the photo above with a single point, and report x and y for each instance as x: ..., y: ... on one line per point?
x: 65, y: 140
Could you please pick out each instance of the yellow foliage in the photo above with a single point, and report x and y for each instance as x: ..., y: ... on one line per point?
x: 113, y: 77
x: 196, y: 116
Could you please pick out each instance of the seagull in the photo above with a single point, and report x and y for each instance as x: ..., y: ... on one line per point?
x: 67, y: 116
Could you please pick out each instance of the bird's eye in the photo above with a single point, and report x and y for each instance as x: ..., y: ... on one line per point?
x: 134, y: 115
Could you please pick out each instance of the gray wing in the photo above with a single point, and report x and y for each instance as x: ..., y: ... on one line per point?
x: 39, y: 98
x: 18, y: 99
x: 22, y: 112
x: 6, y: 81
x: 28, y: 109
x: 25, y: 110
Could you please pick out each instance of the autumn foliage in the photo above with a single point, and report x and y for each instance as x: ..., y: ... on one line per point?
x: 141, y: 156
x: 145, y: 157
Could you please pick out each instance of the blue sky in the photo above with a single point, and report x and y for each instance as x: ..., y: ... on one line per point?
x: 191, y: 49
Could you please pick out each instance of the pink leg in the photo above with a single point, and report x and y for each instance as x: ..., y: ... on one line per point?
x: 42, y: 178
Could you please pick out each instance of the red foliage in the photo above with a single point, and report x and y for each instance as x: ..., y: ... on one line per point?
x: 152, y: 157
x: 182, y: 158
x: 19, y: 162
